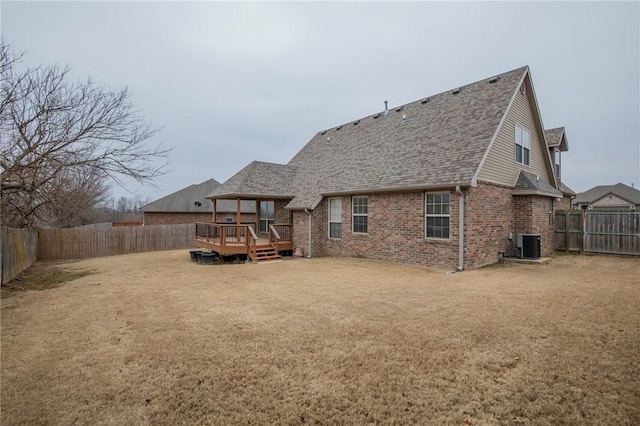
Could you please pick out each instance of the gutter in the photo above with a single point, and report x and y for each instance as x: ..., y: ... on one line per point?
x: 460, y: 228
x: 309, y: 250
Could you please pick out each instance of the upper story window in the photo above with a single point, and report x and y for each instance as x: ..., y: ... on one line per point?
x: 360, y: 210
x: 523, y: 145
x: 556, y: 156
x: 229, y: 217
x: 437, y: 215
x: 335, y: 217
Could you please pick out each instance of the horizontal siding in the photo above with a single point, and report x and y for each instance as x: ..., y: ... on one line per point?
x: 500, y: 166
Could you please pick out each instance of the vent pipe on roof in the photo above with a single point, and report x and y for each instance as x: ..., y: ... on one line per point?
x: 386, y: 107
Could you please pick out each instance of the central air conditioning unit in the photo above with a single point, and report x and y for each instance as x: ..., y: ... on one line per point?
x: 528, y: 246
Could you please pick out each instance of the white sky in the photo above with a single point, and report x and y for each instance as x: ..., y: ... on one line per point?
x: 234, y: 82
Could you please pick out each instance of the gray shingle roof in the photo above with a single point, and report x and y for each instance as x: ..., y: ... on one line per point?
x: 555, y: 138
x: 183, y: 201
x: 258, y: 180
x: 620, y: 189
x: 434, y: 142
x: 530, y: 184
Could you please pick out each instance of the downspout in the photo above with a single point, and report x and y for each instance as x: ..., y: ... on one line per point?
x: 309, y: 250
x: 460, y: 228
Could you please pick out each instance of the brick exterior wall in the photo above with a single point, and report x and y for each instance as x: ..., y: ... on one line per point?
x: 175, y: 218
x: 396, y: 228
x: 533, y: 217
x: 489, y: 217
x: 395, y: 232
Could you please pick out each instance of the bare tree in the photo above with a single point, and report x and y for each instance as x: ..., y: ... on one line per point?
x: 59, y: 137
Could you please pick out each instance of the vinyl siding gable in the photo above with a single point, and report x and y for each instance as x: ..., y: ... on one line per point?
x: 500, y: 166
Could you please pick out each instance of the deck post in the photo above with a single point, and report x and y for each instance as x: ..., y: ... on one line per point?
x: 238, y: 211
x: 214, y: 210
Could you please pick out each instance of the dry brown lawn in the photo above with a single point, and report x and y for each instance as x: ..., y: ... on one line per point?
x: 156, y: 339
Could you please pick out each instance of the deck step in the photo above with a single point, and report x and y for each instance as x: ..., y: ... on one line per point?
x: 265, y: 253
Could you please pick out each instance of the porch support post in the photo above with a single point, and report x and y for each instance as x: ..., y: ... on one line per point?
x: 214, y: 210
x: 238, y: 211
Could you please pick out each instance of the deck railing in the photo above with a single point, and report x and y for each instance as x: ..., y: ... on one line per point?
x: 222, y: 234
x: 279, y: 232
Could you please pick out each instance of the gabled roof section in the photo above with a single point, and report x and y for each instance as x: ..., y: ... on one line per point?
x: 258, y: 180
x: 557, y: 138
x: 185, y: 200
x: 530, y: 184
x: 435, y: 142
x: 621, y: 190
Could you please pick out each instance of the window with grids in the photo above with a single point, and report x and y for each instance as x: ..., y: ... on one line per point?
x: 437, y: 215
x: 523, y: 145
x: 360, y: 210
x: 335, y: 217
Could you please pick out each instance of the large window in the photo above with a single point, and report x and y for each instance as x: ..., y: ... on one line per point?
x: 360, y: 210
x: 267, y: 215
x: 437, y: 215
x: 523, y: 145
x: 335, y: 217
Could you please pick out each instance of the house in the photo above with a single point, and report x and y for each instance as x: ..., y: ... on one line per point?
x: 449, y: 181
x: 608, y: 197
x: 187, y: 205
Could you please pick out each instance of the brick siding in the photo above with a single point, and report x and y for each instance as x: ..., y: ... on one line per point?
x: 396, y: 228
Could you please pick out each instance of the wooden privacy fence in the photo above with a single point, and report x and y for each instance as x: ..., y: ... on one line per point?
x: 19, y: 250
x: 598, y: 232
x: 80, y: 243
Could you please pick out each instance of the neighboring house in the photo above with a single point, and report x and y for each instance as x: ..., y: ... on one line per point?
x: 447, y: 181
x: 608, y: 197
x: 188, y: 205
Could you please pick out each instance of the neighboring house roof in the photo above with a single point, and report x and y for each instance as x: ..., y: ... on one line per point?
x: 621, y: 190
x: 557, y: 138
x: 185, y: 200
x: 531, y: 184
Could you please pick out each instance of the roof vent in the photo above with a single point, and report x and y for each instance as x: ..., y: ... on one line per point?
x: 456, y: 91
x: 323, y: 132
x: 376, y: 115
x: 399, y: 109
x: 424, y: 101
x: 339, y: 127
x: 404, y: 117
x: 494, y: 80
x: 356, y: 122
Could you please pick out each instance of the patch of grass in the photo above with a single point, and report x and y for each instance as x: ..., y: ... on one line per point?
x: 41, y: 276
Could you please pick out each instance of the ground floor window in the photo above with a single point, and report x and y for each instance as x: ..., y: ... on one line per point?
x: 267, y: 215
x: 360, y: 210
x: 437, y: 215
x: 335, y: 217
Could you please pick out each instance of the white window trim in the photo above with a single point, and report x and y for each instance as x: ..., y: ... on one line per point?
x: 353, y: 214
x: 329, y: 221
x: 427, y: 215
x: 519, y: 133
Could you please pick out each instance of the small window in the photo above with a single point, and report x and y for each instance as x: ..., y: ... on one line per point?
x: 360, y: 214
x: 437, y: 215
x: 229, y: 217
x: 335, y: 217
x: 523, y: 145
x: 556, y: 156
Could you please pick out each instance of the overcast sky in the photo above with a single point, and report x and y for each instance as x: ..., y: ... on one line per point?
x: 230, y: 83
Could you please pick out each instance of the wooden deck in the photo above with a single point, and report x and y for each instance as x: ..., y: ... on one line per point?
x: 228, y: 240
